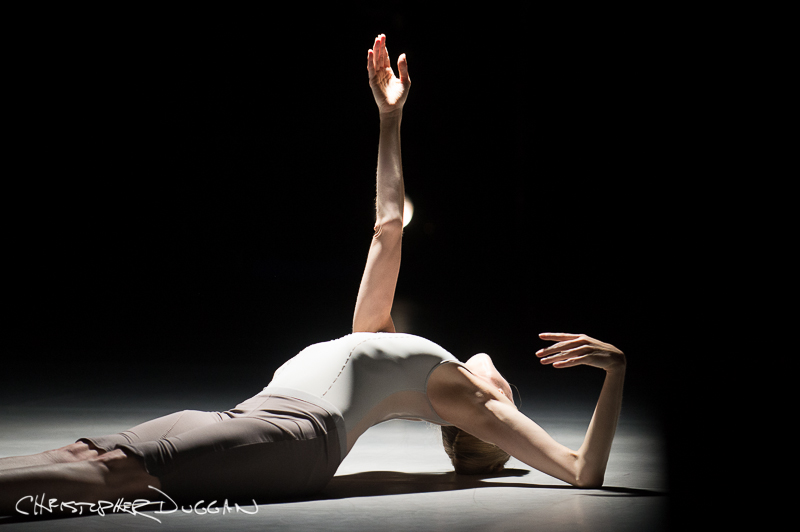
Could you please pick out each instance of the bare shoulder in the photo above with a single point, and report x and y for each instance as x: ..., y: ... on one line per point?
x: 456, y: 394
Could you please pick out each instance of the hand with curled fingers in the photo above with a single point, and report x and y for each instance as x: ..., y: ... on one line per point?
x: 579, y: 349
x: 389, y: 91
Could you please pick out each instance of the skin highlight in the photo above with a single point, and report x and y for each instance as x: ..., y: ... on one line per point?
x: 477, y: 399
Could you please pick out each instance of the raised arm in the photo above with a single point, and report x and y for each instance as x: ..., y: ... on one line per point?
x: 376, y: 293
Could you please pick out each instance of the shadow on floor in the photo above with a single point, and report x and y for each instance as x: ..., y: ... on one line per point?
x: 374, y: 483
x: 382, y: 483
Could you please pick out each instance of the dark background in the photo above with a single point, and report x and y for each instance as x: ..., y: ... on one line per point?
x: 190, y: 195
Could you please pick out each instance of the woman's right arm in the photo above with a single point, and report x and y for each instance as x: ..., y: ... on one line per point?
x: 376, y: 292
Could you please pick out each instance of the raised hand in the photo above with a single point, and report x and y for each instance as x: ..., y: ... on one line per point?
x: 390, y: 92
x: 579, y: 349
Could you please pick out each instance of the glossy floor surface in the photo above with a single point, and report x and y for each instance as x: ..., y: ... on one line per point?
x: 397, y: 477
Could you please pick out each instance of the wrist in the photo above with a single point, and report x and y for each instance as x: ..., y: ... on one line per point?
x: 391, y: 116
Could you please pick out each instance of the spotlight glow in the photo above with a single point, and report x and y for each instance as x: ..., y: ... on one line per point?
x: 408, y: 211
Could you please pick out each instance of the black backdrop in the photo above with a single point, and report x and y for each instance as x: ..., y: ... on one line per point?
x: 191, y: 193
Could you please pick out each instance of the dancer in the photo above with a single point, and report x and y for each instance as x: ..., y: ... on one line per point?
x: 289, y: 439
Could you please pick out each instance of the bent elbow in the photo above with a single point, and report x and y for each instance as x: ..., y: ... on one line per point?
x: 584, y: 475
x: 389, y: 228
x: 588, y: 479
x: 589, y: 482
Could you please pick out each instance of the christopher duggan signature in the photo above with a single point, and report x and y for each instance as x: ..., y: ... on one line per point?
x: 41, y: 505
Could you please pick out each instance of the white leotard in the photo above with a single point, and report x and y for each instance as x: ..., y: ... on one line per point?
x: 369, y: 377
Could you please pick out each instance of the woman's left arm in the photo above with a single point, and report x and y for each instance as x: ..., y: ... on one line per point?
x: 481, y: 411
x: 376, y: 293
x: 577, y: 350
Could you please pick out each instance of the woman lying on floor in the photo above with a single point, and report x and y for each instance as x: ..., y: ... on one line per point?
x: 289, y: 439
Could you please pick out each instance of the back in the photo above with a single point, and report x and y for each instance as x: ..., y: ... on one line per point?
x: 369, y: 377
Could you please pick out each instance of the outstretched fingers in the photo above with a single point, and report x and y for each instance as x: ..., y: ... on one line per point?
x: 390, y: 92
x: 572, y: 360
x: 371, y: 62
x: 567, y: 357
x: 557, y: 337
x: 564, y: 341
x: 384, y: 52
x: 373, y: 56
x: 378, y: 56
x: 576, y: 349
x: 402, y: 67
x: 567, y: 351
x: 380, y: 52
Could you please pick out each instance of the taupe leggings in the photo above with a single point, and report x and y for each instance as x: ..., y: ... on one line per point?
x: 270, y: 446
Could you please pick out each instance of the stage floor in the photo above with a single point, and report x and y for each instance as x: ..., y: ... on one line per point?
x: 397, y: 477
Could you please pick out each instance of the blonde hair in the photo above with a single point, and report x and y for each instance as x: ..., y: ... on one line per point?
x: 470, y: 455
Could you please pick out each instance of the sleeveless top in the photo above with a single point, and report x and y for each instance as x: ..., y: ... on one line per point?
x: 368, y: 377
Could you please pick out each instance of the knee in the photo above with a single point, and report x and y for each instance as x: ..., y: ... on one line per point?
x: 124, y: 474
x: 75, y: 452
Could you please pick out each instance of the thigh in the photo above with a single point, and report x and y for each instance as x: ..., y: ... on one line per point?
x: 267, y: 447
x: 159, y: 428
x: 245, y: 458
